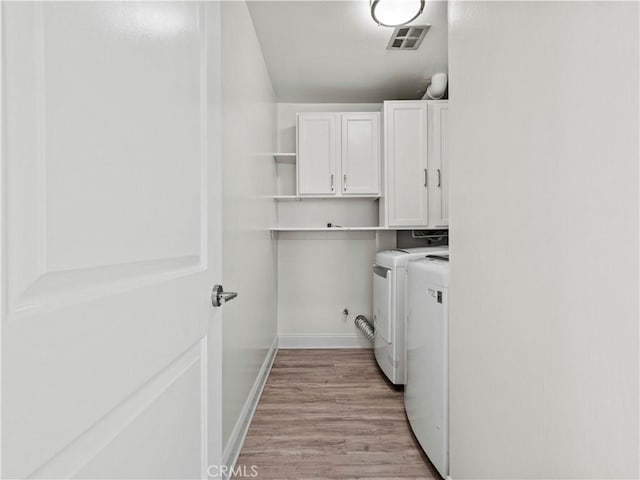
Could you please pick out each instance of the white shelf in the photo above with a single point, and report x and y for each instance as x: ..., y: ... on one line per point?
x: 284, y: 198
x: 326, y: 229
x: 289, y: 158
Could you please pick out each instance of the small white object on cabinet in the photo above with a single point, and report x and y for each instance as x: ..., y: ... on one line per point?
x: 416, y: 170
x: 338, y: 154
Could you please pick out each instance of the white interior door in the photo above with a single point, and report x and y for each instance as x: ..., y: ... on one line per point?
x: 317, y: 153
x: 108, y: 238
x: 360, y: 153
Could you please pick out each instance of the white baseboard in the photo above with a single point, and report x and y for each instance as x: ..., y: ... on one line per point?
x: 239, y: 433
x: 323, y: 341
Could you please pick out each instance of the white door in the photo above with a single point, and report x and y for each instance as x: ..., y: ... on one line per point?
x: 360, y: 153
x: 438, y: 163
x: 405, y: 125
x: 108, y: 231
x: 317, y: 153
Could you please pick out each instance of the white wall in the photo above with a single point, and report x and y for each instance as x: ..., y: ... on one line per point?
x: 287, y: 118
x: 544, y: 240
x: 319, y: 274
x: 248, y: 179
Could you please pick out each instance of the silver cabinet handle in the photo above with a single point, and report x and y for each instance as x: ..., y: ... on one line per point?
x: 219, y: 296
x: 439, y: 179
x: 426, y: 178
x: 344, y: 185
x: 332, y: 183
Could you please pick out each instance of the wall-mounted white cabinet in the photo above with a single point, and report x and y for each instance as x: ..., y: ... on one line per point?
x: 360, y: 141
x: 439, y: 192
x: 406, y: 193
x: 317, y: 153
x: 416, y: 170
x: 338, y: 154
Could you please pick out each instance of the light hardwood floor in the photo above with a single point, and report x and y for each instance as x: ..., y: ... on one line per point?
x: 330, y: 414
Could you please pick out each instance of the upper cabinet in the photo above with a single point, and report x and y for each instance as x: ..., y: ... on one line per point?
x: 360, y: 153
x: 439, y: 189
x: 416, y: 171
x: 406, y: 148
x: 317, y: 153
x: 338, y: 154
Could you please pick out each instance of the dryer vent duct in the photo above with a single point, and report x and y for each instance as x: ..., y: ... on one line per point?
x: 365, y: 327
x: 407, y: 38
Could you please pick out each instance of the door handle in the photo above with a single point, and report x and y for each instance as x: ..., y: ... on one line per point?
x: 344, y: 184
x: 426, y: 178
x: 219, y: 296
x: 332, y: 182
x: 439, y: 179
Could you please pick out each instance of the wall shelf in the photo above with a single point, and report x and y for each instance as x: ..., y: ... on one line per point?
x: 326, y: 229
x: 288, y: 158
x: 284, y: 198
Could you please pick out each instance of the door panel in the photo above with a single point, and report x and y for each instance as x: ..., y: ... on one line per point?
x: 406, y: 147
x: 317, y: 153
x: 106, y: 268
x: 438, y: 163
x: 360, y: 154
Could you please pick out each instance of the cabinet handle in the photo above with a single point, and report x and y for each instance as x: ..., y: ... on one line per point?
x: 332, y: 184
x: 344, y: 184
x: 439, y: 179
x: 426, y: 178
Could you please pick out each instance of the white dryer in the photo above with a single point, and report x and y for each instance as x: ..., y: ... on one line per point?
x: 426, y: 393
x: 389, y: 297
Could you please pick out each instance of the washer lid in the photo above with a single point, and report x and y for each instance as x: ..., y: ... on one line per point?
x: 400, y: 257
x: 432, y: 269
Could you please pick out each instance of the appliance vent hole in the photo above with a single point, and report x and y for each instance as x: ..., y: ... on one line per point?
x: 407, y: 38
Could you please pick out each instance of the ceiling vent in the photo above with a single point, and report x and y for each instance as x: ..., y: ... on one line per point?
x: 407, y: 38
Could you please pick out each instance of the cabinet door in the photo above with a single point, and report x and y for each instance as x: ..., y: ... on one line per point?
x: 405, y: 125
x: 438, y: 164
x: 360, y: 154
x: 317, y: 153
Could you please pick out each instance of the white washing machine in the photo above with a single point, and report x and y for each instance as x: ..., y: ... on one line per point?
x: 426, y: 393
x: 389, y: 297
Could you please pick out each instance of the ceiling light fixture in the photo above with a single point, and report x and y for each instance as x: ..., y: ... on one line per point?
x: 395, y: 13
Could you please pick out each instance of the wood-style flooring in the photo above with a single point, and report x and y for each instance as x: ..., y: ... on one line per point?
x: 331, y: 414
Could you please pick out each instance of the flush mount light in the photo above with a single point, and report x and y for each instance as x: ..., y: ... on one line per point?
x: 395, y: 13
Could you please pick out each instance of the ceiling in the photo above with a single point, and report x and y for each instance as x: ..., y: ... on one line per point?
x: 332, y: 51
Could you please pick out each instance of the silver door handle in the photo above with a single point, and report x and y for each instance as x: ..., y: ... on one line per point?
x: 345, y: 182
x: 219, y: 296
x: 332, y: 183
x: 439, y: 179
x: 426, y: 177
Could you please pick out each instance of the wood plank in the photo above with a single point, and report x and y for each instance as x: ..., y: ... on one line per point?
x: 331, y: 414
